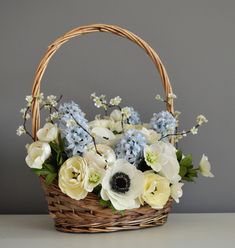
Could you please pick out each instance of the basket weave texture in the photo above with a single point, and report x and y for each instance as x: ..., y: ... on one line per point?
x: 88, y: 215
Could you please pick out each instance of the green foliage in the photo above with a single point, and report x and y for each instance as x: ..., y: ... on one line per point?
x: 51, y: 167
x: 48, y: 172
x: 187, y: 172
x: 58, y: 155
x: 110, y: 205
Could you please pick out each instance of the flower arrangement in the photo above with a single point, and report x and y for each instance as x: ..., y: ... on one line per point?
x: 124, y: 161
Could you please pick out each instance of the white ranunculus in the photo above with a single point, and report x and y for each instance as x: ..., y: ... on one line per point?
x: 176, y: 191
x: 48, y: 133
x: 38, y: 153
x: 205, y: 167
x: 72, y: 177
x: 156, y: 190
x: 150, y: 135
x: 122, y: 185
x: 161, y: 157
x: 116, y: 115
x: 99, y: 123
x: 106, y: 157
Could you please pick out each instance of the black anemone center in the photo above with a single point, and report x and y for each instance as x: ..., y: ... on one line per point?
x: 120, y: 182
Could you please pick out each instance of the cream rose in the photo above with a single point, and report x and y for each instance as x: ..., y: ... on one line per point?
x: 38, y: 153
x: 72, y: 177
x: 48, y: 133
x: 156, y: 190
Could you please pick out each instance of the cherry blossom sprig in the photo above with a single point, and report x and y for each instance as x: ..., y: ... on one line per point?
x: 101, y: 102
x: 200, y: 120
x: 49, y: 103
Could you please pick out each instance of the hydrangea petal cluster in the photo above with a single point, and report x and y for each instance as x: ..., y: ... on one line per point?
x: 131, y: 147
x: 134, y: 118
x: 163, y: 123
x: 76, y: 138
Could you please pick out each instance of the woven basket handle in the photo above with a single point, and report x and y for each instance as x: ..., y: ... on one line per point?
x: 85, y: 30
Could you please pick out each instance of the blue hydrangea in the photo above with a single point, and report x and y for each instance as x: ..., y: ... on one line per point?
x: 131, y: 147
x: 163, y: 123
x: 76, y: 138
x: 134, y: 119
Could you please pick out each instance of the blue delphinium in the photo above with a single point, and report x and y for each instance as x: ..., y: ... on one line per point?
x: 75, y: 137
x: 163, y: 123
x: 134, y: 119
x: 131, y: 147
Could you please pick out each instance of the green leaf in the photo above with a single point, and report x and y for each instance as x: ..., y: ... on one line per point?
x: 40, y: 172
x: 55, y: 147
x: 50, y: 178
x: 187, y: 161
x: 61, y: 143
x: 183, y: 171
x: 49, y: 167
x: 179, y: 155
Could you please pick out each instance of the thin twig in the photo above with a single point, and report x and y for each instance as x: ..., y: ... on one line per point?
x: 177, y: 134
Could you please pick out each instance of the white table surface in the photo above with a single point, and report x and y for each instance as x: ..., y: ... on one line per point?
x: 181, y: 230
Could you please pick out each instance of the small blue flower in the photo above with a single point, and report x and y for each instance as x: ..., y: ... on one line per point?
x: 134, y: 119
x: 76, y: 138
x: 131, y: 147
x: 163, y: 123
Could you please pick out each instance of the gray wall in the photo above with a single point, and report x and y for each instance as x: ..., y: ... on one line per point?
x: 195, y: 39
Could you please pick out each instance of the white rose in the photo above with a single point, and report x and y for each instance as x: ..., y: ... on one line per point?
x: 122, y: 185
x: 156, y: 190
x: 38, y: 153
x: 72, y: 177
x: 48, y: 133
x: 105, y: 158
x: 176, y: 191
x: 205, y: 167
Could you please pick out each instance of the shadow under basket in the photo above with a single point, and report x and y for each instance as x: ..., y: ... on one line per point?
x: 88, y: 216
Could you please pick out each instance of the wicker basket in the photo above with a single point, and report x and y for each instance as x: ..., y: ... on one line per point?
x: 88, y: 215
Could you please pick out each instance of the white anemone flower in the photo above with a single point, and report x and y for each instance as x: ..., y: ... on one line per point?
x: 104, y: 136
x: 161, y: 157
x: 122, y: 185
